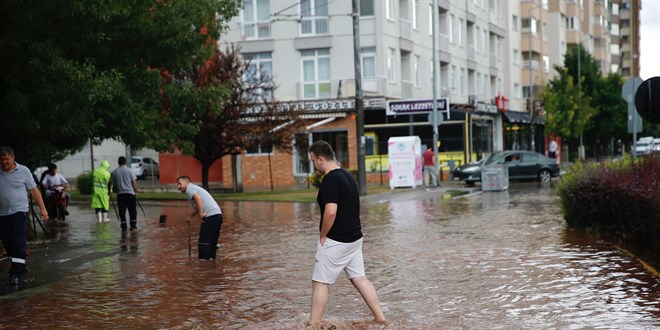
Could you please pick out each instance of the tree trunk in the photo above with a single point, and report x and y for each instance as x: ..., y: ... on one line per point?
x: 236, y: 173
x: 205, y: 175
x: 270, y: 168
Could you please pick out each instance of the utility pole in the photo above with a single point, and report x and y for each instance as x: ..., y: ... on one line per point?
x: 362, y: 174
x: 435, y: 90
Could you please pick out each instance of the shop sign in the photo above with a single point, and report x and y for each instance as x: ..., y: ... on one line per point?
x: 409, y: 107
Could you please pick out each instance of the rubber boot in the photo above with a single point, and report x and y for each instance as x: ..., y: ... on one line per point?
x: 105, y: 217
x: 99, y: 216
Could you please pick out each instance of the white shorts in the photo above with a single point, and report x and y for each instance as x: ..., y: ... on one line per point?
x: 333, y: 257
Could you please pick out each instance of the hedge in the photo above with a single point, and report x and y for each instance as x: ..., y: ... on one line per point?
x: 619, y: 201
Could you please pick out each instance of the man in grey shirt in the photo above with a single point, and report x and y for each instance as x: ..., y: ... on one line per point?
x: 209, y: 213
x: 15, y: 180
x: 126, y: 187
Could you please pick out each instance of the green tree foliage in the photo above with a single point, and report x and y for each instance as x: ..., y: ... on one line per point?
x: 74, y: 69
x: 593, y: 108
x: 610, y: 122
x: 568, y: 110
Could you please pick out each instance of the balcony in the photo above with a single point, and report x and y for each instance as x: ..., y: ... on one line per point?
x: 406, y: 28
x: 341, y: 88
x: 535, y: 65
x: 256, y: 30
x: 406, y: 89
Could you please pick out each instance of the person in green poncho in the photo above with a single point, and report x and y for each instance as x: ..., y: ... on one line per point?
x: 100, y: 196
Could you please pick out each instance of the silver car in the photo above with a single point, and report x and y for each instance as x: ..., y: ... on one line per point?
x: 144, y: 166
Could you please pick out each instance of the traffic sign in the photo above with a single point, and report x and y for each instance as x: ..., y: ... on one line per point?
x: 647, y: 100
x: 628, y: 91
x: 438, y: 119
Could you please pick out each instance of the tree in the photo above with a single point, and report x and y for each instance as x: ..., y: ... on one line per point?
x: 73, y: 70
x: 232, y: 102
x: 610, y: 122
x: 564, y: 115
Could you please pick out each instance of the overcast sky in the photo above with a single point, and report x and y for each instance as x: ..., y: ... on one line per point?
x: 650, y: 43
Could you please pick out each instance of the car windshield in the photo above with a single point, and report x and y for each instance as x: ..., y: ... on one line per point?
x: 135, y: 160
x: 493, y: 158
x: 642, y: 145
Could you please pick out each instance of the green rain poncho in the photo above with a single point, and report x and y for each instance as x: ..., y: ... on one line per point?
x: 100, y: 178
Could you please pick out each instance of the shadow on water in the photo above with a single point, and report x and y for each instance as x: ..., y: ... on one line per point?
x: 485, y: 260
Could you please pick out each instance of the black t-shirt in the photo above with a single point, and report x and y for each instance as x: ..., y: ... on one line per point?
x: 339, y: 187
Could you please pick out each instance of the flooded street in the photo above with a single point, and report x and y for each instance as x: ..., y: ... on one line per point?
x: 497, y: 260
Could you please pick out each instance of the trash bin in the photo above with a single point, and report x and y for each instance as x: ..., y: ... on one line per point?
x: 452, y: 167
x: 494, y: 178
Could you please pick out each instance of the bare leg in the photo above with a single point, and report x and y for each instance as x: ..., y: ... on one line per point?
x: 368, y: 293
x: 319, y: 301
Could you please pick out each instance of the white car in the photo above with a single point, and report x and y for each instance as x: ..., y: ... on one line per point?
x: 144, y: 166
x: 656, y: 145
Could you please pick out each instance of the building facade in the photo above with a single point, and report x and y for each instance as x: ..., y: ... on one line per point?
x: 492, y: 58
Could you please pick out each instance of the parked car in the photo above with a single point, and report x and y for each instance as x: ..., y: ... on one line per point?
x: 656, y: 145
x: 522, y: 164
x: 144, y: 166
x: 644, y: 146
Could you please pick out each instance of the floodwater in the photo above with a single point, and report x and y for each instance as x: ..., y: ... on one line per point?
x: 497, y: 260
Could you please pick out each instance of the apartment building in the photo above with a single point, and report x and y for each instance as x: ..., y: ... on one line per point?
x: 307, y: 48
x: 629, y: 11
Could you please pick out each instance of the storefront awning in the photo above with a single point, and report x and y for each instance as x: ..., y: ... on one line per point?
x: 518, y: 117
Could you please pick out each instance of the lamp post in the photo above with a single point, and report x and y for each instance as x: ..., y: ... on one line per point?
x: 531, y: 80
x: 435, y: 92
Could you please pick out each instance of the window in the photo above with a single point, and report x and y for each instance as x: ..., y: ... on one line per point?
x: 529, y: 25
x: 369, y: 82
x: 256, y: 22
x: 516, y: 57
x: 460, y: 32
x: 260, y: 72
x: 258, y: 147
x: 478, y: 90
x: 452, y: 28
x: 316, y: 73
x: 418, y: 73
x: 391, y: 73
x: 514, y: 23
x: 431, y: 19
x: 572, y: 23
x: 389, y: 8
x: 366, y: 7
x: 477, y: 38
x: 516, y: 90
x: 546, y: 63
x: 415, y: 14
x: 452, y: 77
x: 314, y: 17
x: 462, y: 81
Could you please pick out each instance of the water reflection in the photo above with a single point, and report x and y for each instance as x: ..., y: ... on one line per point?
x: 492, y: 260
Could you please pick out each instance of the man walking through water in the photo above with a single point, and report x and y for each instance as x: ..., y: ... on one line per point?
x: 124, y: 180
x: 340, y: 242
x: 209, y: 213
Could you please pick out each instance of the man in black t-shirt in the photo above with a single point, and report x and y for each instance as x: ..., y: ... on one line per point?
x: 340, y: 242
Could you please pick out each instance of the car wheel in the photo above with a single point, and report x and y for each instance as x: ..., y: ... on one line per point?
x: 144, y: 175
x: 470, y: 183
x: 545, y: 176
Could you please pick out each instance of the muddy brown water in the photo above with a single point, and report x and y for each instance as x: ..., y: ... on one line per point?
x: 497, y: 260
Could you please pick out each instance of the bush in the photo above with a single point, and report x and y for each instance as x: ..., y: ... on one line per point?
x: 618, y: 201
x: 85, y: 186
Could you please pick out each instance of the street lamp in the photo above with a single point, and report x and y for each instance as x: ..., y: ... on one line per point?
x: 531, y: 80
